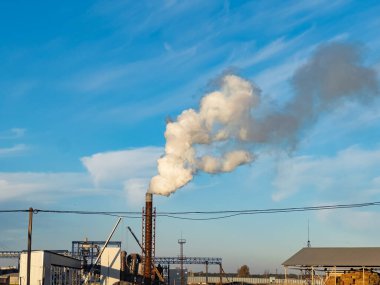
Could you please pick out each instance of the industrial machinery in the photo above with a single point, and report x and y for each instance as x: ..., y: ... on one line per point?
x: 87, y: 251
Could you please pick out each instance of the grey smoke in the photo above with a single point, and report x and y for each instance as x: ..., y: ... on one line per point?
x: 333, y: 75
x: 231, y: 131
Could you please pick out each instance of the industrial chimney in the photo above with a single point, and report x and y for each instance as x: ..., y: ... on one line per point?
x: 148, y: 238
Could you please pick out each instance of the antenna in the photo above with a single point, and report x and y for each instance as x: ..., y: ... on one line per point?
x: 308, y: 234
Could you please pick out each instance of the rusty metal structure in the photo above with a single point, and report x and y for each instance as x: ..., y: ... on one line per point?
x: 148, y: 238
x: 167, y: 261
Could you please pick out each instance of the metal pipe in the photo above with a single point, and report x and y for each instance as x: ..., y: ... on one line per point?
x: 148, y: 238
x: 102, y: 250
x: 30, y: 226
x: 136, y: 239
x: 107, y: 241
x: 143, y: 250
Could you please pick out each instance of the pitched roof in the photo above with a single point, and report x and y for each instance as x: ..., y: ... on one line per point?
x: 336, y: 256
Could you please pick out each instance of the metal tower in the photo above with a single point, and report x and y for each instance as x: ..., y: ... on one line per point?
x: 181, y: 258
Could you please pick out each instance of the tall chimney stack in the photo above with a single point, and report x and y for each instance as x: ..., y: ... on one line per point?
x: 148, y: 238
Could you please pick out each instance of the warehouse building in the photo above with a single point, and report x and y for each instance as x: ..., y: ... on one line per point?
x: 50, y: 268
x: 337, y: 265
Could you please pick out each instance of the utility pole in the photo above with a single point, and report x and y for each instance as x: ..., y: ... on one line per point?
x: 308, y: 235
x: 30, y: 226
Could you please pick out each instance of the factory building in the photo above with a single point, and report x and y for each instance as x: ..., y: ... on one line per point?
x: 50, y: 268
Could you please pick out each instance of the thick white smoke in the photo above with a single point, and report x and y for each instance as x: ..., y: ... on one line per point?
x: 220, y: 120
x: 227, y: 127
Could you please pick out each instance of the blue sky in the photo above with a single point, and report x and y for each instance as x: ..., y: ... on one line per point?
x: 87, y: 87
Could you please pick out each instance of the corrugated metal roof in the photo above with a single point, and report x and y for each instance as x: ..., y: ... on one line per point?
x: 336, y: 256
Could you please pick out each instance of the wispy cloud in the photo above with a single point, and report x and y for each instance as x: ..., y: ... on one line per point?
x: 134, y: 189
x: 270, y: 78
x: 129, y: 170
x: 349, y: 175
x: 340, y: 125
x: 99, y: 79
x: 18, y: 88
x: 105, y: 77
x: 112, y: 166
x: 16, y: 149
x: 351, y: 219
x: 270, y: 51
x: 42, y: 187
x: 265, y: 53
x: 301, y: 12
x: 13, y: 133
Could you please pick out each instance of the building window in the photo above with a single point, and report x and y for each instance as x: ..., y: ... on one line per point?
x: 61, y: 275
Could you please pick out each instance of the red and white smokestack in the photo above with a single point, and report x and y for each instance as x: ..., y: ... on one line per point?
x: 148, y: 238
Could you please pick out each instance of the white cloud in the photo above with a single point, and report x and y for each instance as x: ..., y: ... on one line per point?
x: 350, y: 219
x: 129, y: 170
x: 135, y: 190
x: 113, y: 166
x: 351, y: 174
x: 13, y: 150
x: 13, y: 133
x: 18, y: 132
x: 42, y: 187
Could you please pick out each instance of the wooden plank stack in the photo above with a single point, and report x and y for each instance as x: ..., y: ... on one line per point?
x: 354, y: 278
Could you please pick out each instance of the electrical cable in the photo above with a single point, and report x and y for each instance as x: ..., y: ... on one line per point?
x: 222, y: 214
x: 13, y: 211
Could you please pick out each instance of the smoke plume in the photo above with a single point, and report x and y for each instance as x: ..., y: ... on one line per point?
x: 230, y: 126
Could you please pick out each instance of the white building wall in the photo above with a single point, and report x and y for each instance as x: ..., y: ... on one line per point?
x: 110, y: 263
x: 42, y: 263
x: 36, y: 268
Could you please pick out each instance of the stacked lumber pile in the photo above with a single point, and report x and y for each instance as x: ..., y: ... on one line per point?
x: 354, y: 278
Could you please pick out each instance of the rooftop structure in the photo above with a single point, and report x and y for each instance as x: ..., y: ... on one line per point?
x: 335, y: 257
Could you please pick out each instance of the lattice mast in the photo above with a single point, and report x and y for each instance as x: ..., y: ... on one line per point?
x: 181, y: 258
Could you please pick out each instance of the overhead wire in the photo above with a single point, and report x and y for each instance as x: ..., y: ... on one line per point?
x: 221, y: 214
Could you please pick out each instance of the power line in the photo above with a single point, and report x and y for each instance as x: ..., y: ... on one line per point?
x: 216, y: 215
x: 13, y: 211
